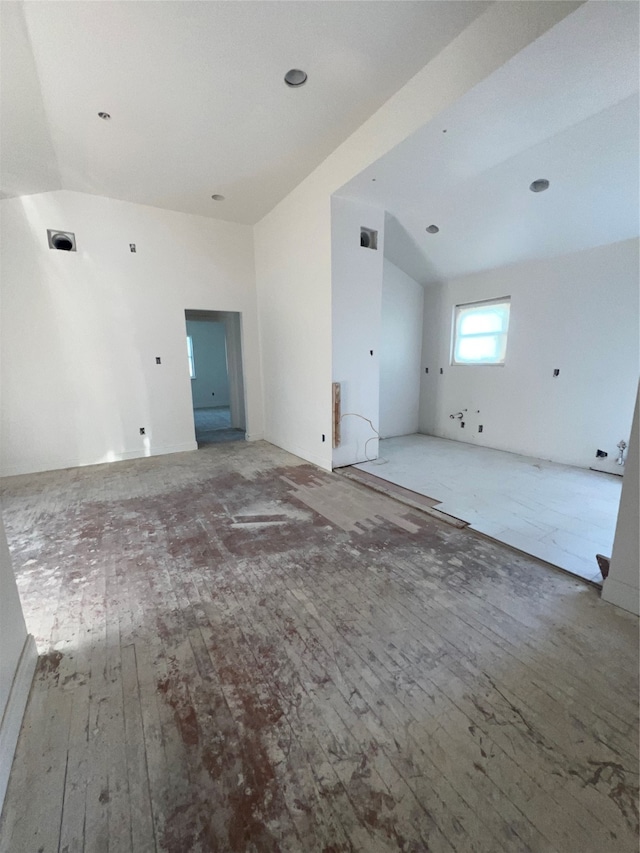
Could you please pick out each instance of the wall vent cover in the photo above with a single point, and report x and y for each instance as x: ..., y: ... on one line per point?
x: 368, y: 238
x: 64, y: 241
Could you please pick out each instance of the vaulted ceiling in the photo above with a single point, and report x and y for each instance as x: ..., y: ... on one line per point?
x: 565, y: 109
x: 196, y: 94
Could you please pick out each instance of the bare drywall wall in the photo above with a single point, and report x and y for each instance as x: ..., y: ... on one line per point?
x: 293, y: 242
x: 400, y: 352
x: 210, y: 386
x: 81, y: 331
x: 622, y: 587
x: 577, y: 314
x: 356, y: 276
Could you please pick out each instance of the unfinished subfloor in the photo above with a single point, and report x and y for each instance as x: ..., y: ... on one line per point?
x: 240, y: 652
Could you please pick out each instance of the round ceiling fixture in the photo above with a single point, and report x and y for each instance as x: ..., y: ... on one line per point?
x: 104, y: 116
x: 295, y: 77
x: 539, y: 186
x: 217, y: 197
x: 432, y: 229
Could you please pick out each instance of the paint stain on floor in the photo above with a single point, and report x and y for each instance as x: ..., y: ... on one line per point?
x: 240, y: 652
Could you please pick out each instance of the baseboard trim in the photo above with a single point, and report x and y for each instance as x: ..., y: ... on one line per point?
x: 174, y: 448
x: 621, y: 595
x: 14, y: 712
x: 61, y: 465
x: 323, y: 462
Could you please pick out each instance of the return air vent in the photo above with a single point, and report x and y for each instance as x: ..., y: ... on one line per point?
x: 64, y: 241
x: 368, y: 238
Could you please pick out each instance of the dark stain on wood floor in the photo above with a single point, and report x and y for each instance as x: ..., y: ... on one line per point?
x: 240, y: 652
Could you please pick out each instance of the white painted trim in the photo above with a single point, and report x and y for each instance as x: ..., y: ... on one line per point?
x: 14, y: 712
x: 303, y: 453
x: 173, y: 448
x: 32, y: 467
x: 622, y: 595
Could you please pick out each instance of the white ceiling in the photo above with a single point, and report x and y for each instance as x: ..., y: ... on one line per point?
x: 565, y: 109
x: 196, y: 93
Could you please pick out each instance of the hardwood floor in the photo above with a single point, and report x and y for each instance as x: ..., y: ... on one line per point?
x: 240, y: 652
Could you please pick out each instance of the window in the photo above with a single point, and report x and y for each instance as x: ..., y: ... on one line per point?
x: 192, y: 364
x: 480, y: 332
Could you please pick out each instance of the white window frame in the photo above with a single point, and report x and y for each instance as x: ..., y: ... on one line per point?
x: 190, y: 356
x: 459, y: 312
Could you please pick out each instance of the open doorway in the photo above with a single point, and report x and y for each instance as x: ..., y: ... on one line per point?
x: 214, y: 351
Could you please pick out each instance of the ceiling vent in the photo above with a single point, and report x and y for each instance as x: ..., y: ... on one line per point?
x: 64, y: 241
x: 368, y: 238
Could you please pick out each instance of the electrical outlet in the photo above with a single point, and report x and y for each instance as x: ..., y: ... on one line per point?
x: 556, y: 372
x: 158, y: 360
x: 426, y: 370
x: 462, y: 424
x: 132, y: 247
x: 142, y: 431
x: 323, y: 437
x: 480, y: 428
x: 441, y: 370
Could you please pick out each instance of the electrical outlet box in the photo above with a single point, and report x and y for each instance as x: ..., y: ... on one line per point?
x: 142, y: 430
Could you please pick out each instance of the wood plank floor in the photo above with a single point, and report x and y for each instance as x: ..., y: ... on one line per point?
x: 240, y: 652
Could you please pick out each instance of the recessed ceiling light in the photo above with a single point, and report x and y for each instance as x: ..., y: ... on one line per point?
x: 295, y: 77
x: 539, y: 186
x: 217, y: 197
x: 104, y: 116
x: 432, y: 229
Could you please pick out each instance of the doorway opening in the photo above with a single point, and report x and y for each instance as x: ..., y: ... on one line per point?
x: 214, y: 351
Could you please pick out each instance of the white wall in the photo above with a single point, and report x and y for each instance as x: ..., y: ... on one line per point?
x: 400, y: 352
x: 622, y: 587
x: 577, y: 313
x: 81, y: 331
x: 356, y: 275
x: 13, y: 631
x: 211, y: 384
x: 17, y: 663
x: 293, y: 242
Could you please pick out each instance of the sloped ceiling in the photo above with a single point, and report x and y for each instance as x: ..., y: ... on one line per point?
x: 565, y: 109
x: 196, y: 93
